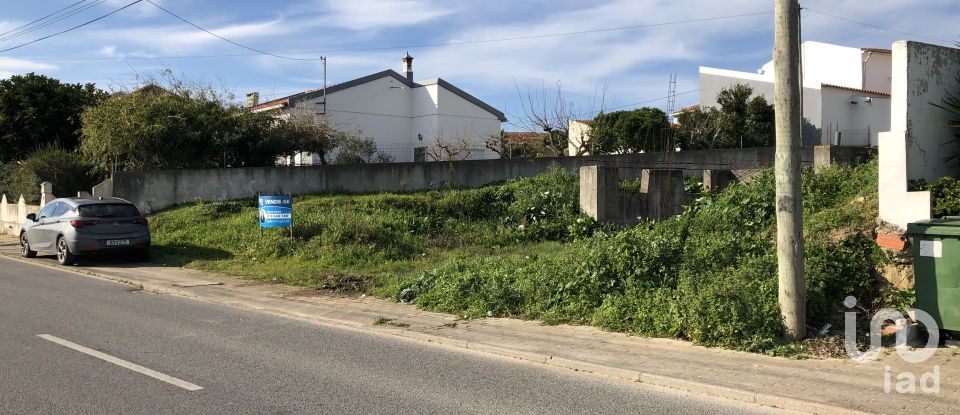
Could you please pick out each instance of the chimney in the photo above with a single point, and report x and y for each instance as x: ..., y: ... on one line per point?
x: 253, y: 99
x: 408, y: 67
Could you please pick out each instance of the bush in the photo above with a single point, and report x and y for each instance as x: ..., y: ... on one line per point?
x: 708, y: 275
x: 544, y: 206
x: 67, y: 170
x: 945, y: 193
x: 15, y: 180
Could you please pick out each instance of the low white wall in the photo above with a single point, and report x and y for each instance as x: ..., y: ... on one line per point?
x: 13, y: 215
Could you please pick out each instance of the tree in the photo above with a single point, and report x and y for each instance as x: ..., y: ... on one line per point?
x: 640, y: 130
x: 519, y: 144
x: 16, y: 179
x: 457, y: 147
x: 760, y: 129
x: 734, y: 101
x: 550, y: 112
x: 352, y: 149
x: 36, y: 111
x: 699, y: 128
x: 250, y: 139
x: 171, y: 128
x: 303, y: 131
x: 152, y: 128
x: 740, y: 121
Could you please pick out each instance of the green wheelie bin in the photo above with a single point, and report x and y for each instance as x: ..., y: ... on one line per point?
x: 936, y: 264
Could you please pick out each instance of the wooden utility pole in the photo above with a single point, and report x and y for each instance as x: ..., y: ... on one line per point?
x: 786, y: 60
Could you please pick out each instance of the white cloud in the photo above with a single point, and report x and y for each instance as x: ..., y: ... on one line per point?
x: 579, y: 61
x: 182, y: 39
x: 108, y: 51
x: 13, y: 66
x: 375, y: 14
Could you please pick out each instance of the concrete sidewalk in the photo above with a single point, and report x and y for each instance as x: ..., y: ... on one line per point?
x: 813, y: 385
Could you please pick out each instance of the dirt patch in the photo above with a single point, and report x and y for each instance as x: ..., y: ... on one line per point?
x: 335, y: 285
x: 826, y: 347
x: 346, y: 283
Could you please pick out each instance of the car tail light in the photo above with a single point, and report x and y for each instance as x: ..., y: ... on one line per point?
x: 76, y: 223
x: 139, y: 221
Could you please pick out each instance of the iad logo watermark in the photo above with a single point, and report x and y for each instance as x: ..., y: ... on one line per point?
x: 906, y: 382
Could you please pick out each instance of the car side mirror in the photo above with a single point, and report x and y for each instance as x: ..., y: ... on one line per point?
x: 32, y: 217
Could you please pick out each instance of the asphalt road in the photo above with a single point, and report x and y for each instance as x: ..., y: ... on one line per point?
x: 254, y: 363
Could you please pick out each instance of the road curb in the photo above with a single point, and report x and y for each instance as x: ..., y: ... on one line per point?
x: 674, y: 383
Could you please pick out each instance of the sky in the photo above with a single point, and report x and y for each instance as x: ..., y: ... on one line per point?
x: 623, y: 51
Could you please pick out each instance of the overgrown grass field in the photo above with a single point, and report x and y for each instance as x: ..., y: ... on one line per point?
x: 378, y: 239
x: 522, y: 249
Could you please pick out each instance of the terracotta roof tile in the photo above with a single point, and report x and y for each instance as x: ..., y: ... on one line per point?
x: 278, y: 101
x: 864, y: 91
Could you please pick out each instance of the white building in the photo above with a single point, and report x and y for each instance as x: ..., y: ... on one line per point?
x: 846, y: 92
x: 403, y: 117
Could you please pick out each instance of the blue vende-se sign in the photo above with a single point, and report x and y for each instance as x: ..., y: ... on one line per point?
x: 275, y: 212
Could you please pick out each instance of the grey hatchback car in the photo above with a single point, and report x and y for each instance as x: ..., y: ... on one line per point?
x: 74, y: 226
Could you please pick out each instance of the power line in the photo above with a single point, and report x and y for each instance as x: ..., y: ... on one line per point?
x: 425, y: 45
x: 72, y: 28
x: 581, y: 32
x: 42, y: 18
x: 54, y: 21
x: 228, y: 40
x: 876, y: 26
x: 637, y: 103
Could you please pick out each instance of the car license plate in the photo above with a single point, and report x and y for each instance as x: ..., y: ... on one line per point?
x: 118, y: 242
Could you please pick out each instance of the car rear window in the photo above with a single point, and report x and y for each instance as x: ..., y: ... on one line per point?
x: 109, y: 210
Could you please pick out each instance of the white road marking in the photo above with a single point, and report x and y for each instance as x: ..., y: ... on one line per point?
x: 122, y: 363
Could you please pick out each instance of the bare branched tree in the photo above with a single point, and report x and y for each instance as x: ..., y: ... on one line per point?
x: 456, y: 147
x: 549, y: 111
x: 499, y: 144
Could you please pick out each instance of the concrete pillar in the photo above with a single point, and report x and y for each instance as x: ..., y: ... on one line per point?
x: 46, y: 193
x: 3, y: 209
x: 821, y: 157
x: 598, y: 192
x: 21, y: 215
x: 665, y: 196
x: 717, y: 179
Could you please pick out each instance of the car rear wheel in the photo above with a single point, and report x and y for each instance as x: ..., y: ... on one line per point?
x: 25, y: 250
x: 64, y: 256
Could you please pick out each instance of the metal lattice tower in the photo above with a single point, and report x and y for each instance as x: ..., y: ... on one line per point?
x: 672, y: 95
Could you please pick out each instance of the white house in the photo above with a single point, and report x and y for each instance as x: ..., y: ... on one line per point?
x: 846, y: 92
x: 403, y: 117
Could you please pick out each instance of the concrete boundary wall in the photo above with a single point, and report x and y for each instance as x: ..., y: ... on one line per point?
x: 13, y: 215
x: 158, y: 189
